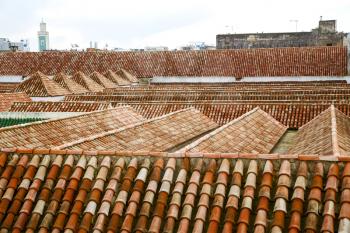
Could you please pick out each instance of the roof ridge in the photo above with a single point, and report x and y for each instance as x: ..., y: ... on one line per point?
x: 61, y: 118
x: 103, y: 134
x: 216, y: 131
x: 47, y: 82
x: 334, y: 133
x: 180, y: 155
x: 316, y: 117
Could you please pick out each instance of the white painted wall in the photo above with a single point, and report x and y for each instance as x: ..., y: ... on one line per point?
x: 51, y: 99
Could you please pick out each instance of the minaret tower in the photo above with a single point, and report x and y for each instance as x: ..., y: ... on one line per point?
x: 43, y: 37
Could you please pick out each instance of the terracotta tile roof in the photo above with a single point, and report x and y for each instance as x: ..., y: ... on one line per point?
x: 244, y: 96
x: 293, y: 115
x: 39, y: 85
x: 7, y: 87
x: 116, y: 78
x: 86, y: 82
x: 7, y: 99
x: 58, y: 106
x: 103, y: 193
x: 126, y: 76
x: 159, y: 134
x: 69, y: 84
x: 326, y: 134
x: 102, y: 80
x: 253, y: 132
x: 307, y: 61
x: 59, y: 131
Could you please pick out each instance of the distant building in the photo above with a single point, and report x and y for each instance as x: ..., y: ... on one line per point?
x: 325, y: 35
x: 156, y: 48
x: 43, y: 37
x: 196, y: 46
x: 6, y: 45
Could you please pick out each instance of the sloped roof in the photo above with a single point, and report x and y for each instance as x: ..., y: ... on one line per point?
x: 7, y: 99
x: 39, y: 85
x: 62, y: 192
x: 116, y: 78
x: 127, y: 75
x: 254, y: 132
x: 69, y: 84
x: 49, y: 106
x: 159, y: 134
x: 59, y: 131
x: 87, y: 82
x: 326, y: 134
x: 305, y: 61
x: 102, y: 80
x: 7, y: 87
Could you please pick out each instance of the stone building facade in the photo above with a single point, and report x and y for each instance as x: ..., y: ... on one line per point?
x: 325, y: 35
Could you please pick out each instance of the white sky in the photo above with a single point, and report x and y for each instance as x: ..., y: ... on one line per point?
x: 137, y: 23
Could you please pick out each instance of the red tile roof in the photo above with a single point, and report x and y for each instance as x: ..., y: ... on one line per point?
x: 101, y: 193
x: 126, y: 76
x: 7, y: 87
x: 102, y: 80
x: 293, y: 115
x: 86, y: 82
x: 39, y: 85
x: 116, y: 78
x: 56, y: 132
x: 326, y: 134
x: 7, y: 99
x: 310, y: 61
x: 253, y: 132
x: 159, y: 134
x: 58, y: 106
x: 69, y: 84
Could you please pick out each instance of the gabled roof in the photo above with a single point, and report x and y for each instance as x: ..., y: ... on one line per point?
x: 69, y: 84
x: 293, y: 115
x: 53, y: 193
x: 55, y: 132
x: 7, y: 99
x: 127, y: 76
x: 116, y: 78
x: 39, y: 85
x: 102, y: 80
x: 326, y: 134
x: 61, y: 106
x: 254, y: 132
x: 86, y: 82
x: 159, y: 134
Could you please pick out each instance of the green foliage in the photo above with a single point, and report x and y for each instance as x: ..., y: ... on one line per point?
x: 16, y: 121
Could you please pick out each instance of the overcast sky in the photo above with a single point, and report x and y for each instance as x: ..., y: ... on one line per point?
x: 136, y: 24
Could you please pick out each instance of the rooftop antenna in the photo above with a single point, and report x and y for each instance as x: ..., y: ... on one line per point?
x: 230, y: 27
x: 296, y: 23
